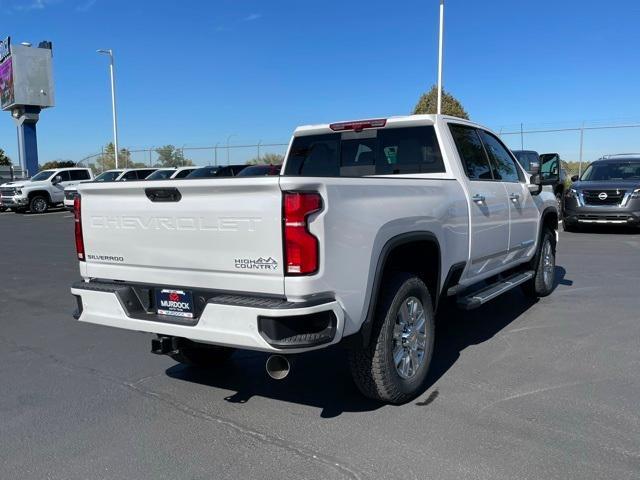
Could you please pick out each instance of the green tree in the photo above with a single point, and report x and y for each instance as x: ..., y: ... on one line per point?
x: 4, y: 160
x: 170, y: 156
x: 107, y: 160
x: 267, y: 159
x: 57, y: 164
x: 428, y: 103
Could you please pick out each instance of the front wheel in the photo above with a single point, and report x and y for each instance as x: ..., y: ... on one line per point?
x: 544, y: 277
x: 201, y: 355
x: 38, y: 204
x: 393, y: 367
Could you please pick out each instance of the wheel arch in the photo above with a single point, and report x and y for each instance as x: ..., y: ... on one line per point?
x: 398, y: 254
x: 42, y: 193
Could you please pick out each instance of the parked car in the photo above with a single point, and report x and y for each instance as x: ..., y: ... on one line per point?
x: 43, y: 190
x: 608, y: 192
x: 370, y: 226
x: 170, y: 173
x: 114, y: 175
x: 216, y: 171
x: 260, y: 170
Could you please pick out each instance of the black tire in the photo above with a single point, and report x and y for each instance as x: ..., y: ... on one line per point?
x: 19, y: 210
x: 38, y: 204
x: 560, y: 202
x: 201, y: 355
x: 543, y: 284
x: 372, y: 367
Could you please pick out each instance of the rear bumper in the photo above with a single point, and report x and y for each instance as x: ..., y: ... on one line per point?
x: 228, y: 320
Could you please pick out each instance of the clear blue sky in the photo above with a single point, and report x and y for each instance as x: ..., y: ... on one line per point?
x: 193, y: 72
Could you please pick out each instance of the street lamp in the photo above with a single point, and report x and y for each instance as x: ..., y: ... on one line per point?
x: 229, y: 138
x: 113, y: 100
x: 440, y: 47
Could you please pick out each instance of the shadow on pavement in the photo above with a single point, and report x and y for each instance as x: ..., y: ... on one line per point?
x: 321, y: 379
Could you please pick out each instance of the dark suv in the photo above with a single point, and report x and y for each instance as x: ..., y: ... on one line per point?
x: 608, y: 193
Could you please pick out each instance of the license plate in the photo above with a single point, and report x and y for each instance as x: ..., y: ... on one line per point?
x: 177, y: 303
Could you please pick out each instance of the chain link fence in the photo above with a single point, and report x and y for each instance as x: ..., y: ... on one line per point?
x: 578, y: 146
x: 199, y: 156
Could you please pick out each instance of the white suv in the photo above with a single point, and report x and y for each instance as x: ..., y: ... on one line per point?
x: 43, y: 190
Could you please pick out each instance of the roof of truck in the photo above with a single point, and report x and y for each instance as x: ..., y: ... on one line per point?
x: 395, y: 121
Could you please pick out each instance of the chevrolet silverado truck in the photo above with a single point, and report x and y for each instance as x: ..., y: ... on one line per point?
x: 43, y: 190
x: 370, y: 226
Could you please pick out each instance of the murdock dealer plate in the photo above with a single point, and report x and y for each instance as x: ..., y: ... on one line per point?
x: 177, y: 303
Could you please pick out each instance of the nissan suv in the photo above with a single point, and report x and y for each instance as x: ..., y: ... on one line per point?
x: 608, y: 192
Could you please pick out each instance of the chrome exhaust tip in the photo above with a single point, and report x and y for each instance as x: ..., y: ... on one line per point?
x: 278, y: 367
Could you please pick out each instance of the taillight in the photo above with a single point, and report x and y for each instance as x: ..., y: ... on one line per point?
x: 77, y: 216
x: 300, y: 246
x: 359, y: 125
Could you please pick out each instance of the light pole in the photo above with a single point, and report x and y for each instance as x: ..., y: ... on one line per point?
x: 215, y: 153
x: 113, y: 100
x: 229, y: 138
x: 440, y: 48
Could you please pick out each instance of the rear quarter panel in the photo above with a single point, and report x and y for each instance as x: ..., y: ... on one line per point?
x: 359, y: 216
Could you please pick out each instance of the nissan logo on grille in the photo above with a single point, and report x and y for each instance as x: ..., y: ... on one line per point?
x: 603, y: 196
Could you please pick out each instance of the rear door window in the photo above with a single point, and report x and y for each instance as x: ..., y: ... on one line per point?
x: 471, y: 151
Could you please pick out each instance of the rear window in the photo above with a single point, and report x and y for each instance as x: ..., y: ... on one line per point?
x: 390, y: 151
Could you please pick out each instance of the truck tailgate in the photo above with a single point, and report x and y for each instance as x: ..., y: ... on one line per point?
x: 222, y: 234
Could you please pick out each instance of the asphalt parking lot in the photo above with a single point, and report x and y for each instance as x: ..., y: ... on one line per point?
x: 518, y: 389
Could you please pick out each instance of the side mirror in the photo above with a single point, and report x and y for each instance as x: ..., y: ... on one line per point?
x: 56, y: 180
x: 575, y: 178
x: 534, y: 168
x: 535, y: 184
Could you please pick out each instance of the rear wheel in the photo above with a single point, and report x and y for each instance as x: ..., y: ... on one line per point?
x: 393, y: 367
x: 201, y: 355
x: 38, y: 204
x: 560, y: 203
x: 544, y: 278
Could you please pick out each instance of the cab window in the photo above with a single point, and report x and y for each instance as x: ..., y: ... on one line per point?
x: 471, y: 151
x: 505, y: 166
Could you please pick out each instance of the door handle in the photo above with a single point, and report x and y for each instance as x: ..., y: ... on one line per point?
x: 478, y: 198
x: 514, y: 197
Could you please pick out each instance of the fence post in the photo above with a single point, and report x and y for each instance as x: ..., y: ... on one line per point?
x: 521, y: 136
x: 581, y: 144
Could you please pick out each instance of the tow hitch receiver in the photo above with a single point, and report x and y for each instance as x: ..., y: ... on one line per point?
x: 164, y: 345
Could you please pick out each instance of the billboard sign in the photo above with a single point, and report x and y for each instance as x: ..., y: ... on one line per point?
x: 5, y: 48
x: 7, y: 93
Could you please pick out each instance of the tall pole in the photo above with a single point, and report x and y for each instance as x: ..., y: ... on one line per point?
x: 229, y: 138
x: 113, y: 100
x: 440, y: 48
x: 581, y: 144
x: 521, y: 136
x: 215, y: 150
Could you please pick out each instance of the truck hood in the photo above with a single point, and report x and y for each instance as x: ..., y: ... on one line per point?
x: 608, y: 185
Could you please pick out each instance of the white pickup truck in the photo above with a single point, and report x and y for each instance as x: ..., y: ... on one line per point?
x: 369, y: 227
